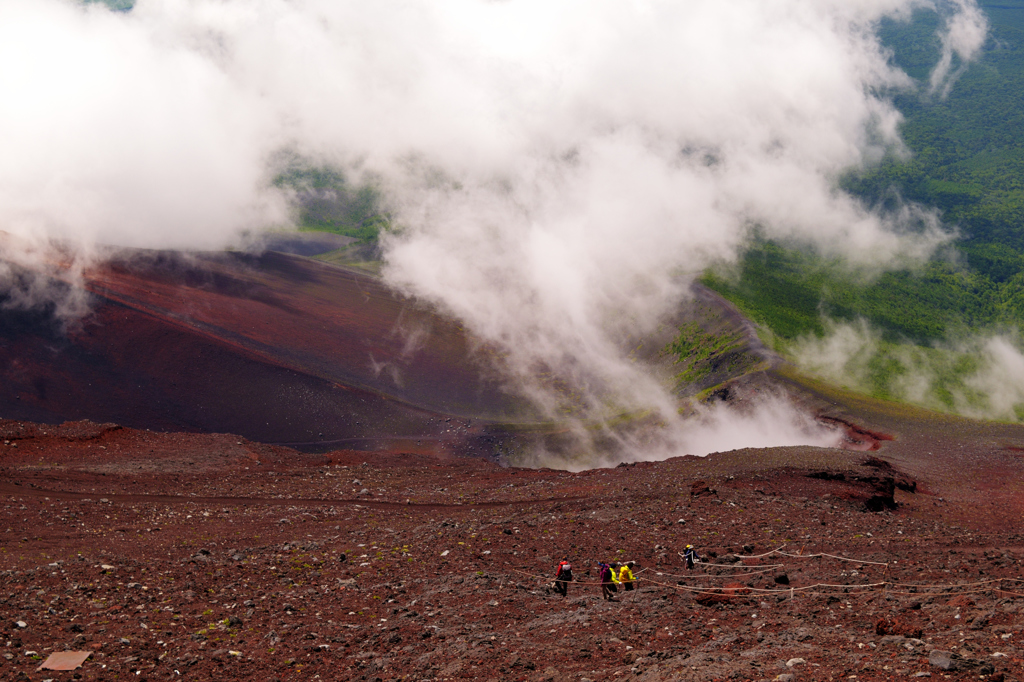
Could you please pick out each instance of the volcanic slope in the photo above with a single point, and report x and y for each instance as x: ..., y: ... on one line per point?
x: 275, y: 347
x: 211, y: 557
x: 282, y: 348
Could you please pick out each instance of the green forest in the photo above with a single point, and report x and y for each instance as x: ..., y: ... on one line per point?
x: 928, y: 323
x: 328, y: 201
x: 967, y: 160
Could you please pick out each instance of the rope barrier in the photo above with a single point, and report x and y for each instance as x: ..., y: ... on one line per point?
x: 573, y: 581
x: 763, y: 569
x: 707, y: 564
x: 758, y: 556
x: 818, y: 589
x: 778, y: 550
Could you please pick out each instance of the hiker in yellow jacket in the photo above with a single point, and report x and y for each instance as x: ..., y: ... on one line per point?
x: 626, y: 576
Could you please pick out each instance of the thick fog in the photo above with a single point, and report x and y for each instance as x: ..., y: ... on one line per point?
x: 557, y: 170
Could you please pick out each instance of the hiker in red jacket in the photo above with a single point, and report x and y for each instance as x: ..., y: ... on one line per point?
x: 563, y: 576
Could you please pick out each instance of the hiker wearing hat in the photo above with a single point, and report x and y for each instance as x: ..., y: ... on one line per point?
x: 626, y: 576
x: 690, y: 555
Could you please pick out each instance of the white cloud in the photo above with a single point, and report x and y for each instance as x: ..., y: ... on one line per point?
x: 979, y: 376
x: 556, y: 165
x: 963, y: 36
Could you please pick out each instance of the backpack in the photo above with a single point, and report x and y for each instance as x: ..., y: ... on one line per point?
x: 564, y: 571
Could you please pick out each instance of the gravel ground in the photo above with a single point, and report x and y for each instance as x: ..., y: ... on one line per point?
x: 208, y: 557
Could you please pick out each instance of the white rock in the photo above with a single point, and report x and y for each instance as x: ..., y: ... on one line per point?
x: 794, y: 662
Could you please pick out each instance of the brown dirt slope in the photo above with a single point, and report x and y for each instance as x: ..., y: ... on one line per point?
x: 211, y: 557
x: 275, y: 347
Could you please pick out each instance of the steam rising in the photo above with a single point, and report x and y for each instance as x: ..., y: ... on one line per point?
x: 981, y: 376
x: 556, y: 168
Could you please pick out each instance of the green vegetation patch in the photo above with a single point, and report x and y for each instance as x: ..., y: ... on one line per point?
x: 700, y: 352
x: 919, y: 336
x: 709, y: 350
x: 793, y: 292
x: 328, y: 201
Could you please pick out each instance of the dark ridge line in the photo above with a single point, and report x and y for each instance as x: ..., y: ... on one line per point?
x: 355, y: 439
x: 8, y: 488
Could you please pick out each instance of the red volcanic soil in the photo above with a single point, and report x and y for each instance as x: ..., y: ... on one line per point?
x: 277, y: 348
x: 211, y: 557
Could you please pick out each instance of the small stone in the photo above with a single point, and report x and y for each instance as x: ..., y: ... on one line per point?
x: 922, y: 674
x: 20, y: 624
x: 795, y: 662
x: 941, y: 659
x: 980, y: 622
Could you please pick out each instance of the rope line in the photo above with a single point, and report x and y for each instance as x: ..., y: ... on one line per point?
x: 820, y: 589
x: 573, y: 581
x: 778, y: 550
x: 764, y: 569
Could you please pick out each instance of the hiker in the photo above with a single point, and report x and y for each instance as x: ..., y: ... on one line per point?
x: 607, y: 577
x: 626, y: 576
x: 690, y: 555
x: 563, y: 576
